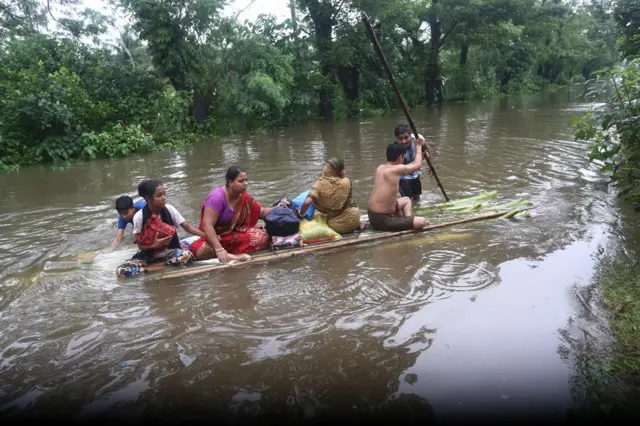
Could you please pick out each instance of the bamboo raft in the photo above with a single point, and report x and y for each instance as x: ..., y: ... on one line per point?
x: 168, y: 273
x: 446, y: 215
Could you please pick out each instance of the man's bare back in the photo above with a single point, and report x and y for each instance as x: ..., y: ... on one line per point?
x: 385, y: 190
x: 386, y: 212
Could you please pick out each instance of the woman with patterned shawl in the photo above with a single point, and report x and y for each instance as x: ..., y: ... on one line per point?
x: 331, y: 194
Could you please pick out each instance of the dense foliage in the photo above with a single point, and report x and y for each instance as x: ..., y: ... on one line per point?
x: 614, y: 128
x: 183, y: 70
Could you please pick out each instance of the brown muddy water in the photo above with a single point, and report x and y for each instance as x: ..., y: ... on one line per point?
x: 480, y: 319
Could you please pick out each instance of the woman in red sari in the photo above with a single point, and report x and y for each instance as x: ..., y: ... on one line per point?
x: 228, y: 219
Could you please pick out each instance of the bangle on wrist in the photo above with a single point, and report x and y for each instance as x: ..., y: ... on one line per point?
x: 220, y: 249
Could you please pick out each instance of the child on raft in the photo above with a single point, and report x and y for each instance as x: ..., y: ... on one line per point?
x: 126, y: 208
x: 155, y: 228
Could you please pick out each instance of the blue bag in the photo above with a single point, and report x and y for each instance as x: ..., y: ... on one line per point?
x: 297, y: 203
x: 282, y: 222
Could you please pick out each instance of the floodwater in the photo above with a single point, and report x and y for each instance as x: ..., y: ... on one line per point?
x: 475, y: 320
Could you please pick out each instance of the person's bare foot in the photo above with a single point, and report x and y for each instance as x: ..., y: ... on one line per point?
x: 420, y: 222
x: 240, y: 257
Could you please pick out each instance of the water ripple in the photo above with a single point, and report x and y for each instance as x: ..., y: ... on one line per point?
x: 299, y: 336
x: 448, y: 271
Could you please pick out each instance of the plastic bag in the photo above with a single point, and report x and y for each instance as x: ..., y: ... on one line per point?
x: 316, y: 230
x: 297, y: 203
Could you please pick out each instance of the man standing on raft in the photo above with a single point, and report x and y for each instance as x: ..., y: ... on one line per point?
x: 386, y: 213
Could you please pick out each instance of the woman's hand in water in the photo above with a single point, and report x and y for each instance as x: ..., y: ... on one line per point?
x: 222, y: 255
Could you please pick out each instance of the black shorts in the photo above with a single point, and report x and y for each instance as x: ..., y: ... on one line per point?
x: 390, y: 222
x: 411, y: 187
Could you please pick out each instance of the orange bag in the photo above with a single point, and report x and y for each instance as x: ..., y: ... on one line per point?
x: 154, y: 226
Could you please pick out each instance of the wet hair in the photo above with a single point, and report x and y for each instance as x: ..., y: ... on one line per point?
x: 124, y: 203
x: 402, y: 128
x: 395, y: 150
x: 232, y: 174
x: 147, y: 188
x: 337, y: 164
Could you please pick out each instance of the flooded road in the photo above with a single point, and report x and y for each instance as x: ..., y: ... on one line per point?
x: 478, y: 319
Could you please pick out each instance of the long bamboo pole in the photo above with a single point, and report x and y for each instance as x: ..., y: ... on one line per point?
x: 385, y: 64
x: 330, y: 246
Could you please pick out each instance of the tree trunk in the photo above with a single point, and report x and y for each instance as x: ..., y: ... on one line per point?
x: 294, y: 20
x: 464, y: 81
x: 350, y: 80
x: 326, y: 104
x: 434, y: 82
x: 200, y: 106
x: 326, y: 97
x: 323, y: 41
x: 175, y: 81
x: 505, y: 79
x: 464, y: 54
x: 321, y: 14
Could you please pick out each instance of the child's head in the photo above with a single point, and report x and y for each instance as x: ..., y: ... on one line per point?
x: 395, y: 151
x: 125, y: 208
x: 403, y: 133
x: 153, y: 191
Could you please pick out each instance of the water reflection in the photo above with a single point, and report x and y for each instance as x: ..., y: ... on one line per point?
x: 470, y: 316
x: 160, y: 340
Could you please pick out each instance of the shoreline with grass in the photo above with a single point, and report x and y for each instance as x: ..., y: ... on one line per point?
x: 610, y: 375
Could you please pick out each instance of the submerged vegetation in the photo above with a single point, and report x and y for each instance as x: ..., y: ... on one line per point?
x: 184, y: 70
x: 485, y: 202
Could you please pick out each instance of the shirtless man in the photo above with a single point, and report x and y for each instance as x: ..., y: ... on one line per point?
x: 386, y: 213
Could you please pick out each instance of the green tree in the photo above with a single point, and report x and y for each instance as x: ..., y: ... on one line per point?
x: 614, y: 129
x: 627, y: 15
x: 175, y: 32
x: 182, y: 69
x: 21, y: 17
x: 322, y: 18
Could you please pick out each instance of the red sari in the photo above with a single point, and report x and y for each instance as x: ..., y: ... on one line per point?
x: 240, y: 236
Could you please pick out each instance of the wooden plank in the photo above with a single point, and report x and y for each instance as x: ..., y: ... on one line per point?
x: 378, y: 236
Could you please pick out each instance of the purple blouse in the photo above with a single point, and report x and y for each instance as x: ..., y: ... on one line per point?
x: 216, y: 200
